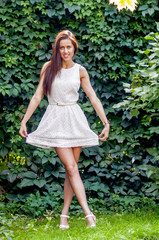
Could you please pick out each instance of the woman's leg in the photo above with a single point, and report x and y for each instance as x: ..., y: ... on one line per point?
x: 68, y: 191
x: 67, y: 158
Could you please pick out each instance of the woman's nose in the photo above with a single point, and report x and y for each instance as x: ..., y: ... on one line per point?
x: 65, y: 50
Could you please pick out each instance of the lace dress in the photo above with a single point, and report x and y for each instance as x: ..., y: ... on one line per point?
x: 64, y: 123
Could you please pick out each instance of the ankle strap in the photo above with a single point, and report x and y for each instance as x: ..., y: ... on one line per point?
x: 89, y: 215
x: 65, y: 216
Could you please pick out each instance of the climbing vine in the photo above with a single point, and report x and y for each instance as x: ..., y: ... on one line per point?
x: 108, y: 44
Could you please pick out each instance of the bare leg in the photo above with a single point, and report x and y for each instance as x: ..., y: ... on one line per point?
x: 67, y: 158
x: 68, y: 191
x: 68, y: 195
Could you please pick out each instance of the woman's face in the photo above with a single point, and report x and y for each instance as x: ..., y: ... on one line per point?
x: 66, y: 50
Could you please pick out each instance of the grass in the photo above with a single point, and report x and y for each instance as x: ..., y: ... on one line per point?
x: 134, y: 226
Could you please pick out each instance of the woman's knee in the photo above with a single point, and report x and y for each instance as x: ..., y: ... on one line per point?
x: 71, y: 169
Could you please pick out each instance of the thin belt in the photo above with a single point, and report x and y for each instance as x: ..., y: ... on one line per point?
x: 63, y: 104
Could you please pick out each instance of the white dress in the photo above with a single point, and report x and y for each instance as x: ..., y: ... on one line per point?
x: 64, y: 123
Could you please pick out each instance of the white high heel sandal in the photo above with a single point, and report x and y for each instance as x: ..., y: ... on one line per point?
x: 64, y: 226
x: 94, y: 218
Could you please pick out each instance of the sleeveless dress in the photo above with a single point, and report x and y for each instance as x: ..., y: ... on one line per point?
x: 64, y: 123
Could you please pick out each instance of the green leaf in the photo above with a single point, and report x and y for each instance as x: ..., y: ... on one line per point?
x: 144, y: 7
x: 39, y: 53
x: 51, y: 12
x: 40, y: 183
x: 26, y: 183
x: 34, y: 167
x: 3, y: 51
x: 3, y: 151
x: 11, y: 177
x: 156, y: 103
x: 154, y: 130
x: 42, y: 57
x: 30, y: 174
x: 5, y: 172
x: 55, y: 173
x: 15, y: 92
x: 154, y: 152
x: 45, y: 160
x: 151, y: 11
x: 47, y: 174
x: 152, y: 188
x: 134, y: 113
x: 107, y: 95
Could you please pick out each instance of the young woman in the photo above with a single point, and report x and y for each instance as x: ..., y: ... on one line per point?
x: 64, y: 126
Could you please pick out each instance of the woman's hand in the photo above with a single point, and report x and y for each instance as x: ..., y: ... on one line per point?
x: 23, y: 130
x: 104, y: 133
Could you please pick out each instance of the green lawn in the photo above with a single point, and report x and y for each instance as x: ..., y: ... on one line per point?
x: 132, y: 226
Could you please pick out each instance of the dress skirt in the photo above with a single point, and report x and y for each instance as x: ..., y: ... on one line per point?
x: 63, y: 126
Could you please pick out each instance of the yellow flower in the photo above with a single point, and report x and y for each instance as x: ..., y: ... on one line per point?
x: 128, y: 4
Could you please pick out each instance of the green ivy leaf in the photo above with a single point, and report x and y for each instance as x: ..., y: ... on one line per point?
x: 51, y: 12
x: 26, y: 183
x: 151, y: 11
x: 3, y: 51
x: 135, y: 113
x: 29, y: 174
x: 40, y: 183
x: 3, y: 151
x: 11, y: 177
x: 144, y: 7
x: 47, y: 174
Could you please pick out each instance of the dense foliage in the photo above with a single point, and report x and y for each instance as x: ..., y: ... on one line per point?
x: 142, y: 105
x: 108, y: 42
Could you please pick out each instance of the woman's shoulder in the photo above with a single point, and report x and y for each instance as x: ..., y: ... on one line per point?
x: 82, y: 71
x: 46, y: 64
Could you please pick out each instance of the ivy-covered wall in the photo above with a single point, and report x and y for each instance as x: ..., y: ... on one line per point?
x: 108, y: 41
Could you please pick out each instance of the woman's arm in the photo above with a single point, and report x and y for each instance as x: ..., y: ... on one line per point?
x: 34, y: 102
x: 96, y: 103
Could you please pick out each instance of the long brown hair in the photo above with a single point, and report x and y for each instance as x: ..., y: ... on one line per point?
x: 55, y: 64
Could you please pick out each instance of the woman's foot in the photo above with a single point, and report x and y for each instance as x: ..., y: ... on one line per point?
x: 91, y: 220
x: 64, y: 222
